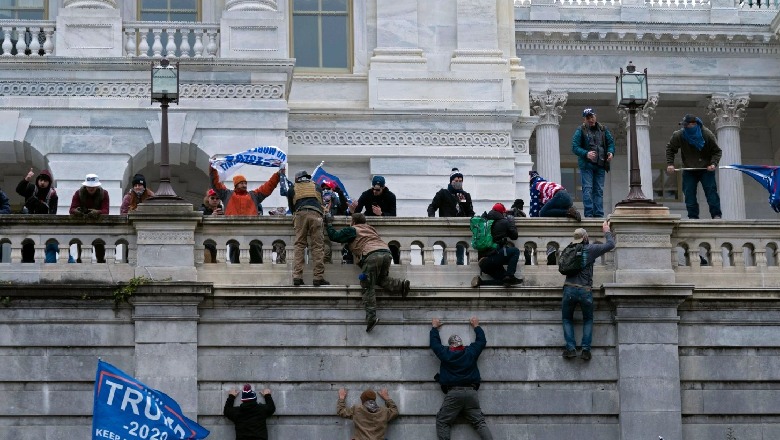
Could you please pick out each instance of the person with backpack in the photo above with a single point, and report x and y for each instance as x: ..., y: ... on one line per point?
x: 453, y: 201
x: 576, y: 262
x: 490, y: 237
x: 594, y: 147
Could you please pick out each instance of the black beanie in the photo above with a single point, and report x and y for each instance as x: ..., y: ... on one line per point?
x: 455, y: 173
x: 139, y: 178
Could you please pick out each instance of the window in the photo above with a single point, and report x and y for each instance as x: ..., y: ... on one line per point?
x: 168, y: 10
x: 666, y: 187
x: 321, y: 34
x: 22, y: 10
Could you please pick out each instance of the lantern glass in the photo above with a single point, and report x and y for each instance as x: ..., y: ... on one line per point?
x: 632, y: 89
x: 165, y: 83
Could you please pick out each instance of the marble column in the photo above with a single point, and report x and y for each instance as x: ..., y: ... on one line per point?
x: 727, y: 112
x: 643, y: 118
x: 397, y: 36
x: 549, y: 107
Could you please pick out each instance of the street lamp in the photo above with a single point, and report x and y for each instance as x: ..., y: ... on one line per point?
x: 165, y: 89
x: 632, y: 93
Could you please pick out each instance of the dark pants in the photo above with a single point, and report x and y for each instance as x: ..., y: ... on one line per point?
x: 493, y: 264
x: 690, y: 183
x: 456, y: 401
x: 376, y: 267
x: 571, y: 297
x: 557, y: 206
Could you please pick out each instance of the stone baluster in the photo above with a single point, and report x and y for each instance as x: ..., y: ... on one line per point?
x: 727, y: 113
x: 428, y: 256
x: 716, y: 258
x: 20, y: 46
x: 243, y: 254
x: 143, y: 46
x: 450, y: 255
x: 157, y: 46
x: 211, y: 47
x: 16, y: 252
x: 692, y: 255
x: 643, y: 117
x: 760, y: 257
x: 35, y: 44
x: 48, y: 44
x: 738, y: 255
x: 63, y: 254
x: 406, y: 255
x: 549, y: 107
x: 110, y: 254
x: 198, y: 46
x: 7, y: 45
x: 473, y: 256
x: 184, y: 48
x: 221, y: 254
x: 130, y: 49
x: 86, y: 253
x: 170, y: 46
x: 39, y: 252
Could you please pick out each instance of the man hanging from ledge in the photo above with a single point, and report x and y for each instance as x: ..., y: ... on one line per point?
x: 250, y: 416
x: 370, y: 419
x: 373, y: 256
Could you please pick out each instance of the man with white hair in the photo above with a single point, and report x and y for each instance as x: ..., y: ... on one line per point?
x: 578, y: 289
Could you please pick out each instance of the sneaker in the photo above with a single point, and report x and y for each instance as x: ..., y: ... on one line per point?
x: 585, y: 355
x: 372, y: 324
x: 297, y: 282
x: 573, y: 213
x: 569, y: 354
x: 318, y: 283
x: 511, y: 281
x: 405, y: 289
x: 476, y: 281
x: 717, y: 217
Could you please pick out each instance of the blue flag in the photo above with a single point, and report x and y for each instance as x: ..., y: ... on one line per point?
x: 765, y: 175
x: 267, y: 156
x: 126, y: 409
x: 320, y: 175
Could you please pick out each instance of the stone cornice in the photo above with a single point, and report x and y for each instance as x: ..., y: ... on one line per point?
x: 399, y: 116
x: 564, y: 31
x: 134, y: 64
x: 491, y: 139
x: 126, y: 89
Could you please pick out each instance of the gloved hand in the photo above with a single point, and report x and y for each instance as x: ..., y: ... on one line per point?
x: 78, y: 213
x: 93, y: 213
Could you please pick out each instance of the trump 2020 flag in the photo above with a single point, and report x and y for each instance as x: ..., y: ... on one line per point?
x: 320, y: 175
x: 765, y: 175
x: 126, y: 409
x: 260, y: 156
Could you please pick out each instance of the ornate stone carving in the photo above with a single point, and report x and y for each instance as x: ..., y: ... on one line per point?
x: 727, y: 110
x: 165, y: 237
x: 251, y: 5
x: 520, y: 145
x: 140, y: 90
x: 422, y: 139
x: 549, y: 106
x: 95, y: 4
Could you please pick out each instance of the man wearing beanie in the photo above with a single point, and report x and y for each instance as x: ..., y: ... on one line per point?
x: 378, y: 201
x: 250, y: 416
x: 492, y: 261
x: 137, y: 194
x: 459, y: 379
x: 39, y: 197
x: 699, y: 150
x: 240, y: 201
x: 369, y: 418
x: 453, y: 202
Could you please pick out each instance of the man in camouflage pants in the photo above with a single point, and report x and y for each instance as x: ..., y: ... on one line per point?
x: 374, y: 257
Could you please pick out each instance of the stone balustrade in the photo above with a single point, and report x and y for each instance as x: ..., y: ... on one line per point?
x: 157, y: 39
x: 702, y: 253
x: 22, y: 38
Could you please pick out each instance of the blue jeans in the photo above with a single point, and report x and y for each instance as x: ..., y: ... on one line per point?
x: 557, y: 206
x: 690, y: 182
x: 571, y: 297
x: 493, y: 264
x: 593, y: 191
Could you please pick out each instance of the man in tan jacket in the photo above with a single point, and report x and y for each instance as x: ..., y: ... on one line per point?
x: 369, y: 418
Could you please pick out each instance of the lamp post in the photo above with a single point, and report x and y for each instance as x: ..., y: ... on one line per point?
x: 632, y: 93
x: 165, y: 89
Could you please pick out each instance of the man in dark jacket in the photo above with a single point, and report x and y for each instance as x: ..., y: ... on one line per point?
x: 492, y: 261
x: 453, y: 202
x: 39, y: 197
x: 459, y: 379
x: 373, y: 256
x: 578, y: 289
x: 250, y: 416
x: 699, y: 149
x: 90, y: 201
x: 305, y: 201
x: 594, y: 147
x: 378, y: 201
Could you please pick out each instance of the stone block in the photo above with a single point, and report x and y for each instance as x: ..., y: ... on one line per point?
x: 647, y: 361
x: 733, y: 365
x: 647, y: 333
x: 649, y: 395
x: 653, y: 424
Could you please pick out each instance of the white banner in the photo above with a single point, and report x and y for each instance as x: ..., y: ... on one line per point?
x: 268, y: 156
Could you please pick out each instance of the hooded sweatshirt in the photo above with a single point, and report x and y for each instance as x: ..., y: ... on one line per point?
x: 37, y: 200
x: 369, y: 425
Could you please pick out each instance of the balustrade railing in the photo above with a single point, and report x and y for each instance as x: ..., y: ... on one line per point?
x: 171, y: 39
x: 678, y: 3
x: 758, y: 4
x: 20, y: 38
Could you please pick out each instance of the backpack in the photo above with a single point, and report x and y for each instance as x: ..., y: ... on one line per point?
x: 572, y: 259
x: 481, y: 236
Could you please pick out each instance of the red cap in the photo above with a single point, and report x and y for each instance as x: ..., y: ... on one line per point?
x: 499, y: 207
x: 211, y: 193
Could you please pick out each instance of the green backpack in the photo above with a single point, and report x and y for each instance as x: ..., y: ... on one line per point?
x: 481, y: 237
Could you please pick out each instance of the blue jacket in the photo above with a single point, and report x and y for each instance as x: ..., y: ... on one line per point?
x: 5, y: 204
x: 458, y: 368
x: 581, y: 149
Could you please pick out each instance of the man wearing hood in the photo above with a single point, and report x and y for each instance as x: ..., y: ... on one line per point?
x: 459, y: 379
x: 39, y: 197
x: 492, y: 261
x: 699, y: 150
x: 250, y: 417
x: 138, y: 194
x: 453, y: 202
x: 369, y: 418
x: 550, y: 199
